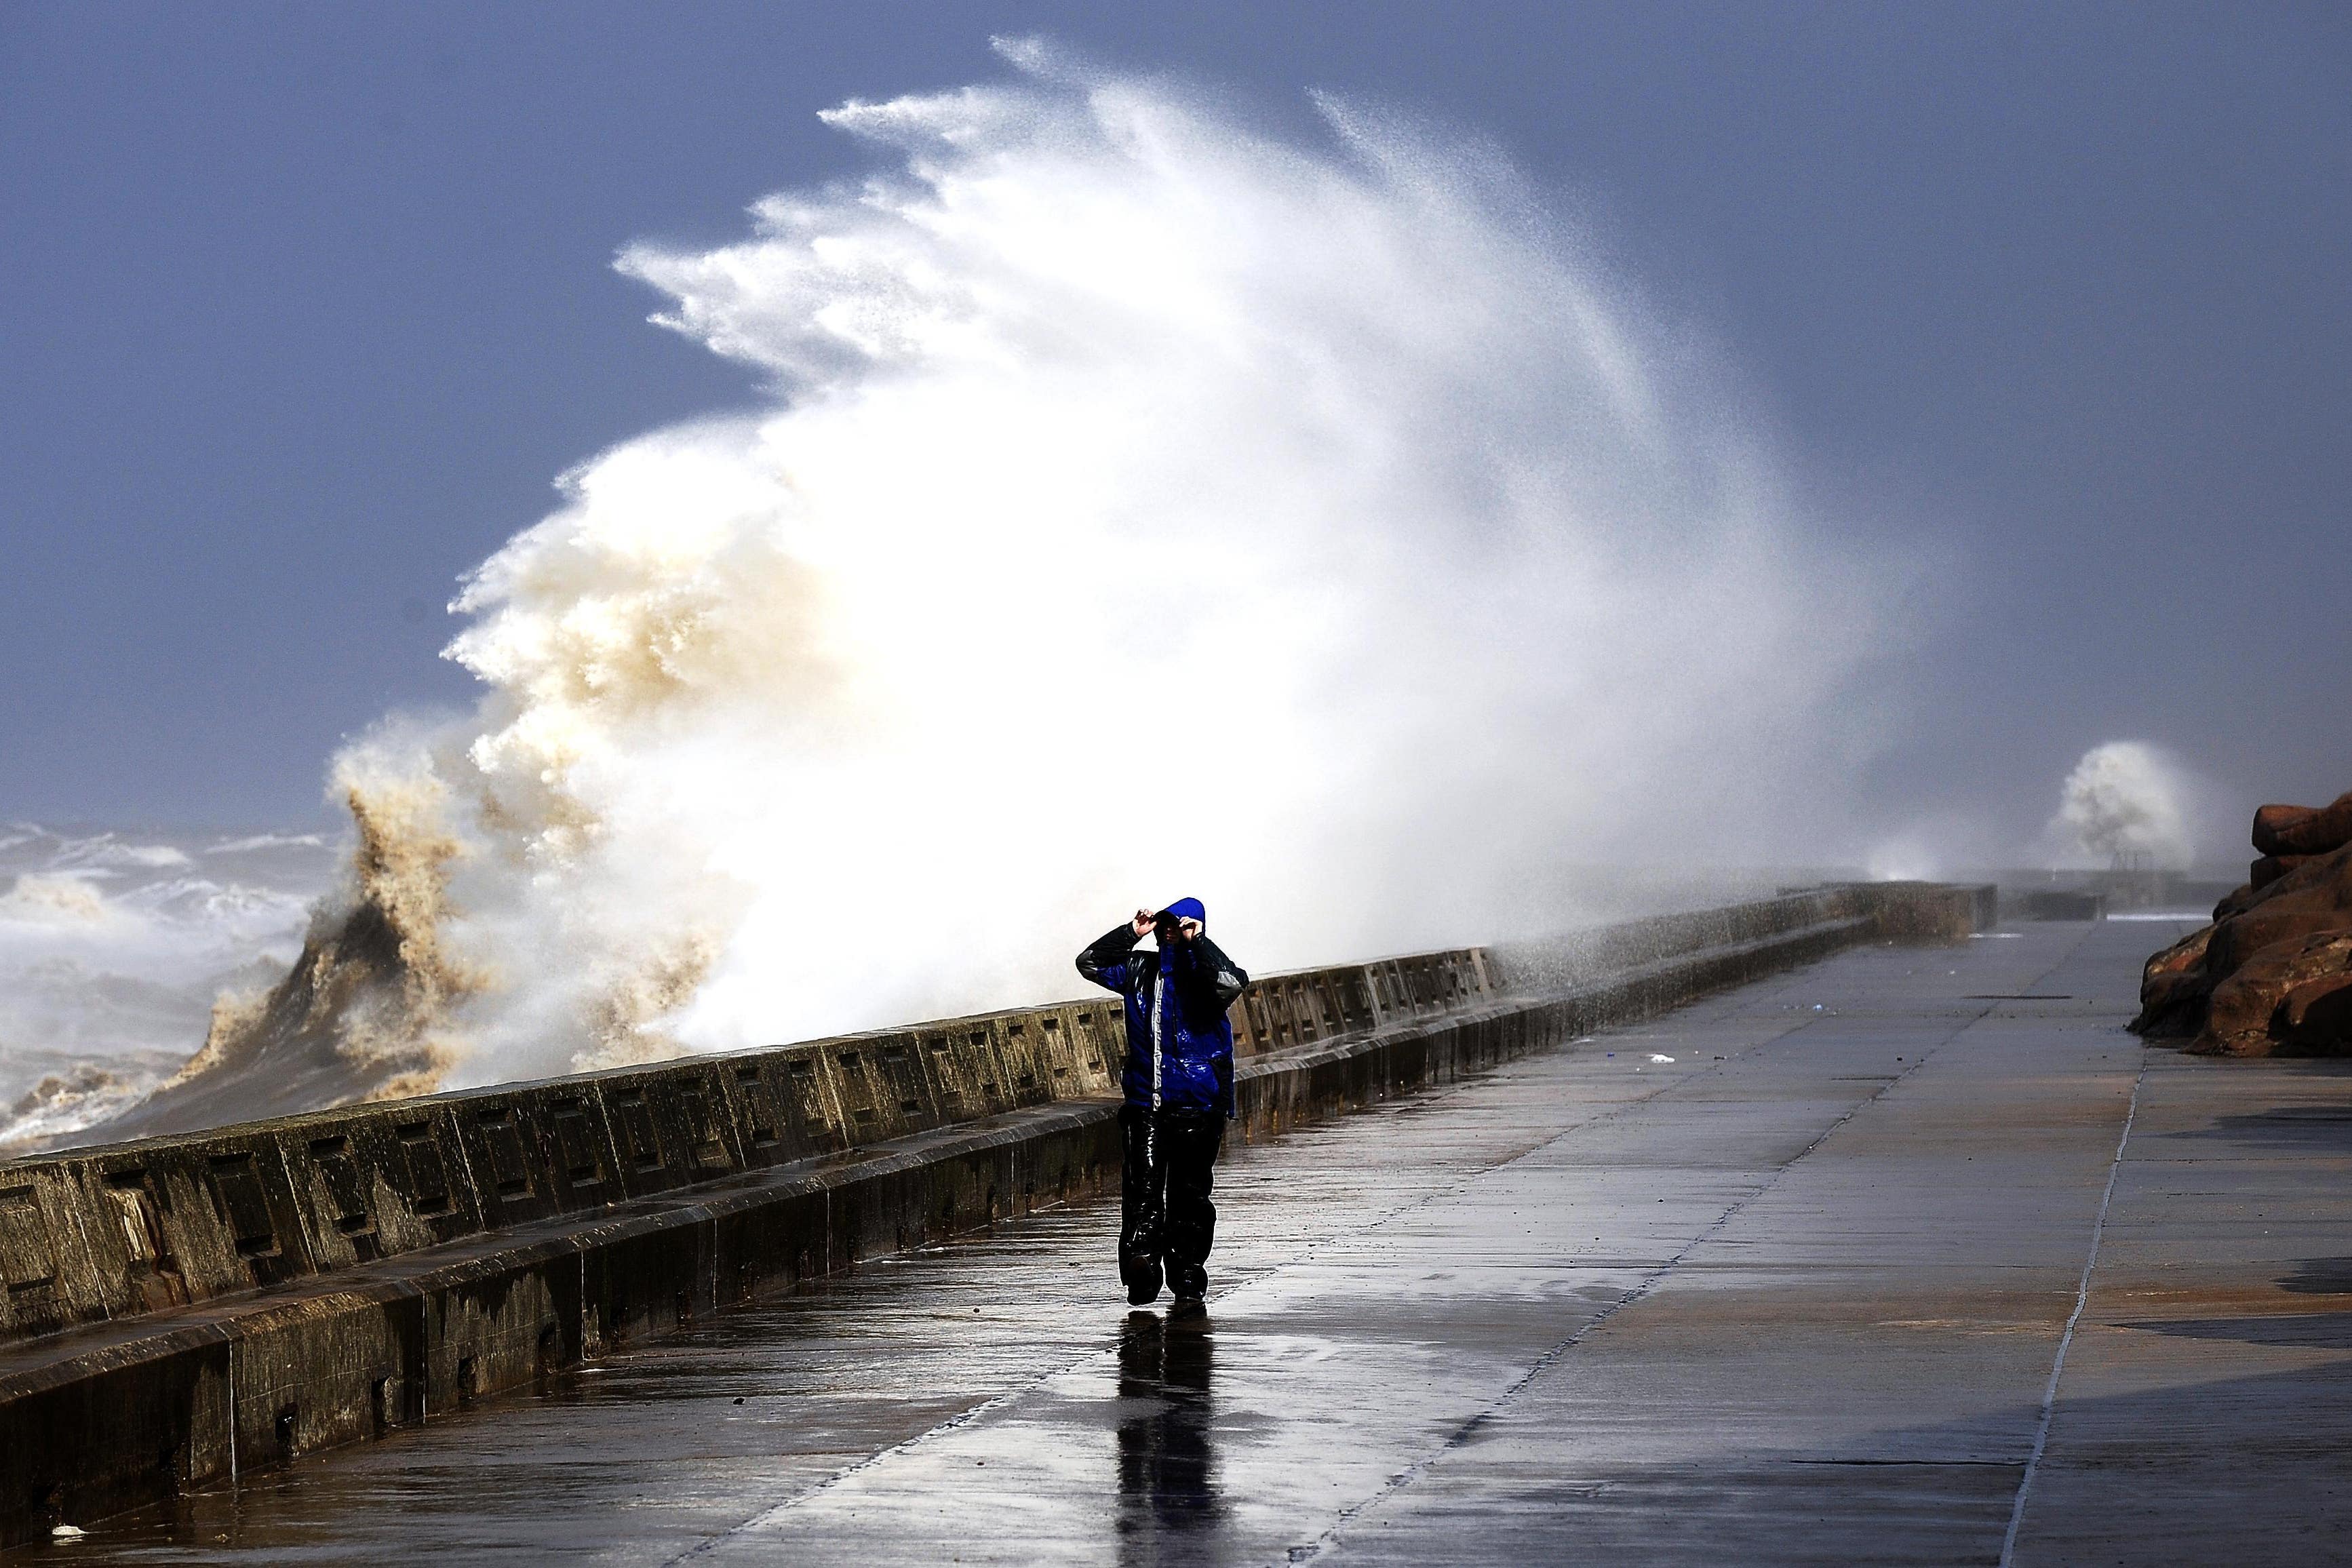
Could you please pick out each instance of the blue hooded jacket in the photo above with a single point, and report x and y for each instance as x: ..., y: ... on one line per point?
x: 1180, y: 1045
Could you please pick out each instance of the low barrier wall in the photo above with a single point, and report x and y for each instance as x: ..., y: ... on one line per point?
x: 181, y: 1308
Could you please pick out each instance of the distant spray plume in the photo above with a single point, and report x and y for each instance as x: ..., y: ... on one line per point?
x: 1144, y: 505
x: 2126, y: 804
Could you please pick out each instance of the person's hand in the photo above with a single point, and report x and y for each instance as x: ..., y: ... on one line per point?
x: 1143, y: 922
x: 1188, y: 928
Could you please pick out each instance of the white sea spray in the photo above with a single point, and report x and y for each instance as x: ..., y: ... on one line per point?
x: 1140, y: 503
x: 2126, y: 803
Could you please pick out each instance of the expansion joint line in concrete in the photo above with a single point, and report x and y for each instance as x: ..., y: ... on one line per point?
x: 1649, y: 1283
x: 965, y: 1417
x: 2082, y: 1300
x: 988, y: 1406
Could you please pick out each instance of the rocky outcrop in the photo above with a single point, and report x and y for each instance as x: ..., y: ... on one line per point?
x: 2173, y: 987
x: 2271, y: 868
x: 2314, y: 1013
x: 2240, y: 1014
x: 2303, y: 829
x: 2273, y: 973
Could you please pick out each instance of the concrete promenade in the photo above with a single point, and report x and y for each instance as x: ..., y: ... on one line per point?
x: 1797, y: 1295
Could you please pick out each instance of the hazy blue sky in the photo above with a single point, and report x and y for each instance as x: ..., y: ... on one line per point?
x: 305, y: 305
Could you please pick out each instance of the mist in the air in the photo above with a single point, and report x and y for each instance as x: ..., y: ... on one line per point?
x: 1138, y: 503
x: 1142, y: 505
x: 2129, y: 803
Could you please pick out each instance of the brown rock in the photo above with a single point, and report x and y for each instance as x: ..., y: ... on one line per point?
x: 2271, y: 868
x: 2315, y: 1019
x: 2309, y: 871
x: 2172, y: 1006
x: 2304, y: 829
x: 2264, y: 975
x: 2236, y: 900
x: 2186, y: 954
x: 2314, y: 897
x: 2240, y: 1013
x: 2173, y: 987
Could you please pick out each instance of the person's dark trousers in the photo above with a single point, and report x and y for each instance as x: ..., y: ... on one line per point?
x: 1168, y: 1164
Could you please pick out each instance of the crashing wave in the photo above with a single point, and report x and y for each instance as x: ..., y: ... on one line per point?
x: 361, y: 1014
x: 1140, y: 501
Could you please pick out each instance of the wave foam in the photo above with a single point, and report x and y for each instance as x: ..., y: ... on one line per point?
x: 1141, y: 504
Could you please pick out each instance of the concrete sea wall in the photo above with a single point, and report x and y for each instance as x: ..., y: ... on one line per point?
x: 179, y: 1310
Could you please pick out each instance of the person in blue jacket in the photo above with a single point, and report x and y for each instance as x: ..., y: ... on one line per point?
x: 1179, y: 1093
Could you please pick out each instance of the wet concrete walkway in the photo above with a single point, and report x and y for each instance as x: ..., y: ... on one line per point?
x: 1797, y: 1295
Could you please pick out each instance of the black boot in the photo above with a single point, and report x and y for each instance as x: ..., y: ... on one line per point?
x: 1190, y: 1283
x: 1139, y: 1272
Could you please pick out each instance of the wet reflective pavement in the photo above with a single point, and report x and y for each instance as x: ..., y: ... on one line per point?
x: 1796, y: 1295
